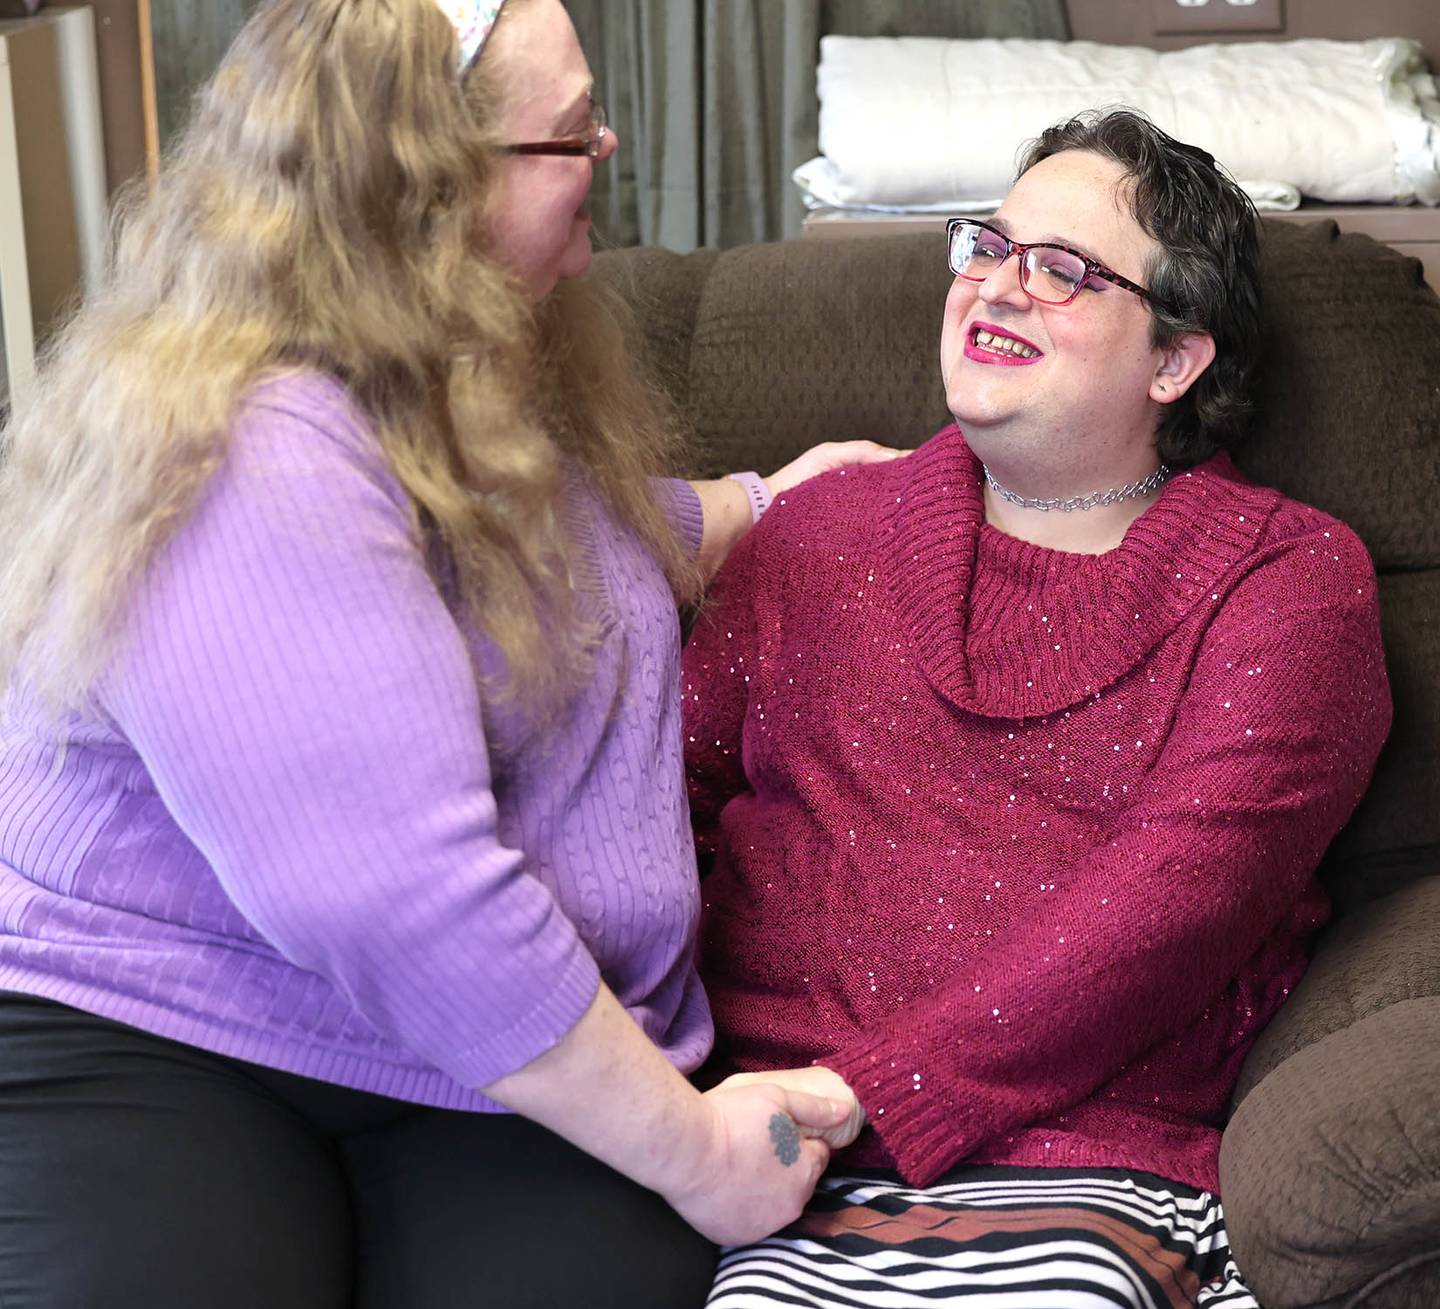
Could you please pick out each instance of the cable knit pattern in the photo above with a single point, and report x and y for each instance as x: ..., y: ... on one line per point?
x: 285, y: 833
x: 1021, y: 842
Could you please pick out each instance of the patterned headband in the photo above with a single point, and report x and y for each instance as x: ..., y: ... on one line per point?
x: 473, y: 21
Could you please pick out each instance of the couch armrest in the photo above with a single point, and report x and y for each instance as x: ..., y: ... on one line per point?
x: 1330, y: 1168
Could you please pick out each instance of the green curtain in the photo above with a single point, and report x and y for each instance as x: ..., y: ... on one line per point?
x: 715, y: 105
x: 189, y: 38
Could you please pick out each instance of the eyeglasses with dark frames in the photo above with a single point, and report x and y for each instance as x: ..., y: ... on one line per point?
x: 589, y: 144
x: 1050, y: 273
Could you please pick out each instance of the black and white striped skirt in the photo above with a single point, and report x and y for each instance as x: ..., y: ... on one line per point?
x: 994, y: 1238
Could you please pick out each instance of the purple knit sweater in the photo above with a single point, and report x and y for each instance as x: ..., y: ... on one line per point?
x: 294, y: 830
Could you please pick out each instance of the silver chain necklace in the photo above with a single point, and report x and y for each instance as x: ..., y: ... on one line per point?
x: 1113, y: 496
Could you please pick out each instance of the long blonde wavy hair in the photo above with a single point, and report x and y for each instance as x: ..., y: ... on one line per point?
x: 322, y: 211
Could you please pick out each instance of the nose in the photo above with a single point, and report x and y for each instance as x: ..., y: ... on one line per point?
x: 1003, y: 285
x: 609, y: 144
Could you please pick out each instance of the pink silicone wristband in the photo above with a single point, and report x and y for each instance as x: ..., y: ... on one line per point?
x: 758, y: 492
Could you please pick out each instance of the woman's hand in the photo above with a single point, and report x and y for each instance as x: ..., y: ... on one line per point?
x: 737, y: 1163
x: 825, y: 458
x: 726, y: 506
x: 765, y: 1156
x: 816, y: 1080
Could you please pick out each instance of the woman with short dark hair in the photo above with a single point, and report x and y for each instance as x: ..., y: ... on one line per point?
x: 1016, y: 760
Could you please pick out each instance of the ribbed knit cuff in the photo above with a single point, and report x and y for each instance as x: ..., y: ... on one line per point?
x: 919, y: 1131
x: 544, y: 1025
x: 681, y: 505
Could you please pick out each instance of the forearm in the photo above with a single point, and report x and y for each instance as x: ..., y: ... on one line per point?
x: 737, y: 1162
x: 727, y: 518
x: 1027, y: 1030
x: 729, y: 513
x: 607, y: 1089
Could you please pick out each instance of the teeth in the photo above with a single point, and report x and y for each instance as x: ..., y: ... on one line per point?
x: 1003, y: 344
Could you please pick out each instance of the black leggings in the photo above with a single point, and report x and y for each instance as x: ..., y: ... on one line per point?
x: 136, y: 1173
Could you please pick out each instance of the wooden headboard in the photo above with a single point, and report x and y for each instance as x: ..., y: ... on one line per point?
x: 1132, y: 22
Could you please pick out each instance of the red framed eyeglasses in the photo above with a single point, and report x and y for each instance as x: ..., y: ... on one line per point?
x: 1050, y: 273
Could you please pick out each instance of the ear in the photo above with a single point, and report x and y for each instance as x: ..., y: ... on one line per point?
x: 1181, y: 362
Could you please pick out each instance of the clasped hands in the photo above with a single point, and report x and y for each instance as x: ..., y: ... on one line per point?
x: 818, y: 1082
x: 770, y: 1139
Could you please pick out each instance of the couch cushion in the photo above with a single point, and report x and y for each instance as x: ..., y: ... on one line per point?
x: 1350, y: 402
x: 1395, y: 834
x: 1330, y: 1172
x: 662, y: 290
x: 809, y: 340
x: 1330, y: 1168
x: 800, y: 341
x: 805, y: 340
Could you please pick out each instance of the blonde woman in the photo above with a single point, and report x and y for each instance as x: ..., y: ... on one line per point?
x: 340, y: 792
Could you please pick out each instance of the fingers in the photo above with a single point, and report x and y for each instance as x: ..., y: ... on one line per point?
x: 814, y: 1159
x: 740, y: 1079
x: 818, y: 1081
x: 866, y: 452
x: 828, y: 457
x: 815, y: 1111
x: 837, y: 1138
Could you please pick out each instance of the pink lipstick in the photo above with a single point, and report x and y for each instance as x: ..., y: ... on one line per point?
x: 988, y: 344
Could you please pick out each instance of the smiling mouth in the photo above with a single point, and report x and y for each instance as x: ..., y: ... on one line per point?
x: 985, y: 341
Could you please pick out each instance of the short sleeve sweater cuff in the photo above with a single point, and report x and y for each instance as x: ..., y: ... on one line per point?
x: 686, y: 513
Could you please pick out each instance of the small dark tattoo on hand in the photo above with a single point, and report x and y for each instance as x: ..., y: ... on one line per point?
x: 784, y: 1138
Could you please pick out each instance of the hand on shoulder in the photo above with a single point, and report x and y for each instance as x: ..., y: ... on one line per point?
x: 826, y: 458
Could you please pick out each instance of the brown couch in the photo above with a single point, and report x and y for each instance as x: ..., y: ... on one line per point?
x: 1331, y: 1161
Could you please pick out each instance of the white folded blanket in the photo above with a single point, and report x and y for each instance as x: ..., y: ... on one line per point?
x: 919, y: 124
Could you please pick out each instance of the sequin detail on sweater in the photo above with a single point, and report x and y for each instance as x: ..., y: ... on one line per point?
x: 1022, y: 842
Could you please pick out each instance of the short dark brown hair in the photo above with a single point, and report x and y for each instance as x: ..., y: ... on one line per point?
x: 1207, y: 267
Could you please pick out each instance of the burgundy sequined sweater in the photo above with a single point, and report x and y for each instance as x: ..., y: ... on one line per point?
x: 1022, y: 842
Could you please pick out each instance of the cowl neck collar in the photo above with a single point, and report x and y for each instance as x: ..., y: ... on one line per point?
x: 1008, y: 629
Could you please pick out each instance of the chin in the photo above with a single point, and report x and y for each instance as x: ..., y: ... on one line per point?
x: 577, y: 263
x: 580, y: 251
x: 970, y: 415
x: 572, y: 260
